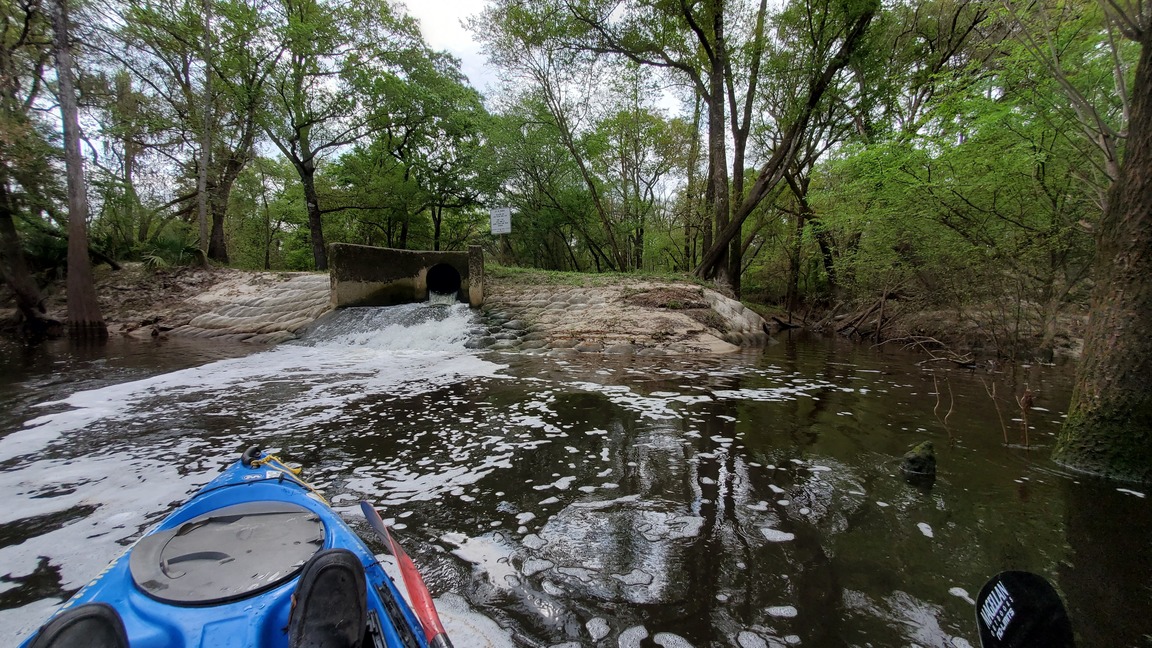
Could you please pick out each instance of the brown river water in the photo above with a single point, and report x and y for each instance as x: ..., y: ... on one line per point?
x: 748, y: 500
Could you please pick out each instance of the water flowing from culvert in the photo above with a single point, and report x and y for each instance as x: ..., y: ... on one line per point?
x: 748, y: 500
x: 439, y: 327
x: 442, y: 299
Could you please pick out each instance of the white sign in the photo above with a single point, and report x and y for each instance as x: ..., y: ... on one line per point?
x: 501, y: 220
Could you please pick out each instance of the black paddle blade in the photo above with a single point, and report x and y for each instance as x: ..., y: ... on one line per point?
x: 377, y: 525
x: 1021, y: 610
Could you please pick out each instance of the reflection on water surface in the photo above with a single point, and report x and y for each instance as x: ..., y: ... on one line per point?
x: 750, y: 500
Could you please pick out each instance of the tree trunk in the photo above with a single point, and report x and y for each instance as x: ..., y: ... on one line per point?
x: 741, y: 119
x: 792, y: 298
x: 619, y: 258
x: 717, y: 151
x: 1109, y: 426
x: 638, y: 248
x: 826, y: 255
x: 237, y: 159
x: 220, y: 194
x: 84, y: 318
x: 799, y: 186
x: 315, y: 224
x: 692, y: 209
x: 217, y: 244
x: 202, y: 197
x: 15, y: 270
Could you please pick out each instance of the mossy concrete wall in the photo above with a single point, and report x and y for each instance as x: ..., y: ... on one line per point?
x: 362, y: 275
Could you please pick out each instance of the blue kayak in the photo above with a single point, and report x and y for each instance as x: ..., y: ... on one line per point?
x: 221, y: 570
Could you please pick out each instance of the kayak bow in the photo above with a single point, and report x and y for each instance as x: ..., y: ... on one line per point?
x: 221, y: 570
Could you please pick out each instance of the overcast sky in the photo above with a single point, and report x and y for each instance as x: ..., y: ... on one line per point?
x: 440, y: 21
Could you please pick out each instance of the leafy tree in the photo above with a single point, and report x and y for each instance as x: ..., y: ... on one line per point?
x: 449, y: 165
x: 197, y: 93
x: 528, y: 41
x: 322, y: 86
x: 25, y: 154
x: 989, y: 226
x: 556, y: 222
x: 829, y: 35
x: 912, y: 53
x: 637, y: 153
x: 715, y: 47
x: 431, y: 126
x: 267, y: 202
x: 123, y: 221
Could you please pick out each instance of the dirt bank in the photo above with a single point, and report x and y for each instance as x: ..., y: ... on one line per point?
x: 560, y: 313
x: 523, y: 311
x: 567, y: 313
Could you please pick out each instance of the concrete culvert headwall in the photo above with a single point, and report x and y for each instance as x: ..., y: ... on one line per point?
x: 370, y: 276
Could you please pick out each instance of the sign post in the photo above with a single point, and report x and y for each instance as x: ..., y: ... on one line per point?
x: 501, y: 220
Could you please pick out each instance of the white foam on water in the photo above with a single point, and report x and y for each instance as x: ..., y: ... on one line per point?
x: 533, y: 566
x: 925, y: 529
x: 961, y: 593
x: 782, y: 393
x: 442, y: 299
x: 651, y: 406
x: 632, y: 637
x: 411, y: 327
x: 775, y: 535
x: 489, y: 554
x: 635, y: 577
x: 26, y: 619
x: 403, y: 484
x: 748, y: 639
x: 669, y: 640
x: 597, y: 628
x: 298, y: 385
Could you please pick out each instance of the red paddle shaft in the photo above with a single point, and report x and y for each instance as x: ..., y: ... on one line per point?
x: 422, y: 603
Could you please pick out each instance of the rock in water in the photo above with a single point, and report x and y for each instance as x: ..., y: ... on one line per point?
x: 919, y: 463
